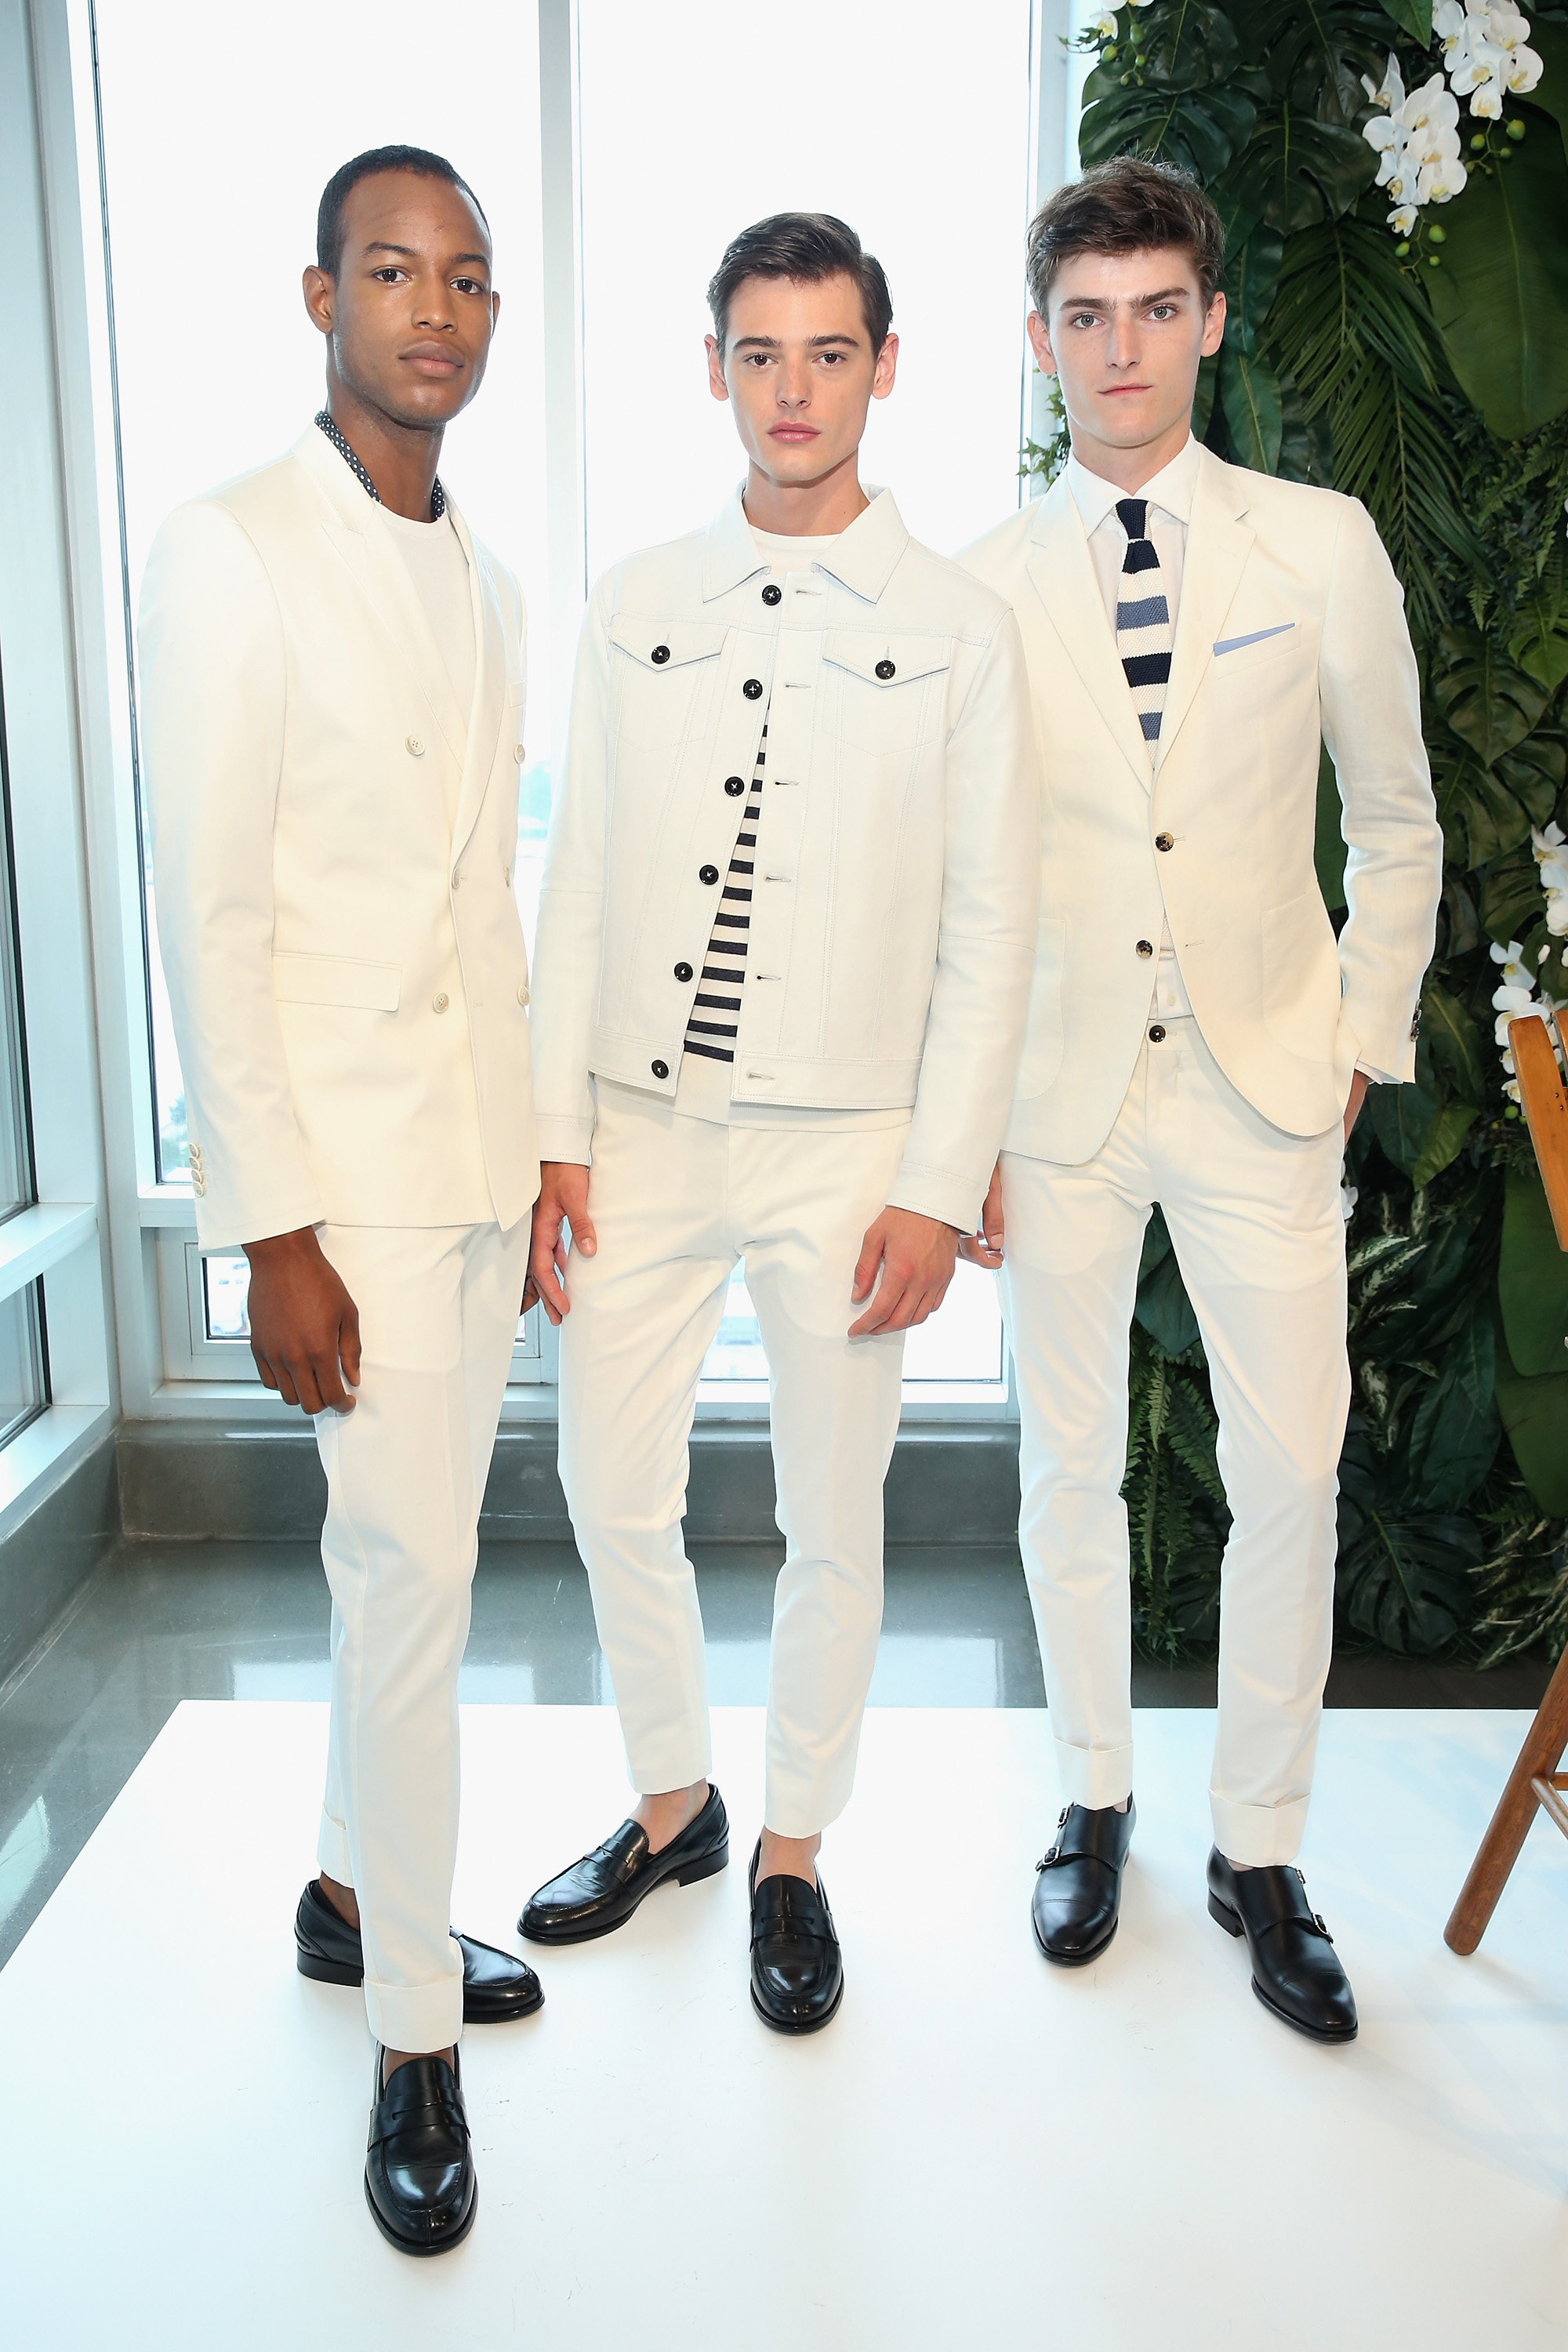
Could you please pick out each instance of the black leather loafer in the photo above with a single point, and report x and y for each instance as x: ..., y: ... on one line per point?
x: 1078, y: 1883
x: 798, y: 1969
x: 601, y: 1892
x: 497, y: 1987
x: 1296, y: 1970
x: 419, y: 2177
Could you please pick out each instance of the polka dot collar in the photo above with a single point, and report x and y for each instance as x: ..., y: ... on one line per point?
x: 325, y: 422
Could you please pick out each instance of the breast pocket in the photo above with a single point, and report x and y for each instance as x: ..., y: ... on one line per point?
x: 1245, y: 651
x: 889, y: 688
x: 662, y: 674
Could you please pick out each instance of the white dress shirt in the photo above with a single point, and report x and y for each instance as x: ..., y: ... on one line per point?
x: 1169, y: 494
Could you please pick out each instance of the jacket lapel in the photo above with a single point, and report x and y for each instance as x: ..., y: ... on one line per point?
x: 483, y: 731
x: 1218, y: 544
x: 1061, y: 570
x: 381, y: 575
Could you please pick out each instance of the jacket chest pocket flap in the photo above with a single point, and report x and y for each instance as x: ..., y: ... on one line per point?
x: 665, y: 666
x: 334, y: 979
x: 885, y: 683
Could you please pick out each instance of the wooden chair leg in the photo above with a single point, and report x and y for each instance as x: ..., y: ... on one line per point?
x: 1538, y: 1760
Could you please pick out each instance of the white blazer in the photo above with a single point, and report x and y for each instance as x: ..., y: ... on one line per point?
x: 894, y: 919
x: 1290, y: 628
x: 345, y: 964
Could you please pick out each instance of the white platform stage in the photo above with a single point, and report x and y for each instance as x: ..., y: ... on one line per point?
x: 980, y: 2152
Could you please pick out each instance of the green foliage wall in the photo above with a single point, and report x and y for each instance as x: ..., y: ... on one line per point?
x: 1427, y: 375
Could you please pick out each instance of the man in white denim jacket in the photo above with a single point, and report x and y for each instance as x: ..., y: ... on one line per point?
x: 784, y: 949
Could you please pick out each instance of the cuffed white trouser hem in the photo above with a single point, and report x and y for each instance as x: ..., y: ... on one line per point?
x: 419, y: 2018
x: 1258, y: 1835
x: 332, y: 1853
x: 1095, y: 1777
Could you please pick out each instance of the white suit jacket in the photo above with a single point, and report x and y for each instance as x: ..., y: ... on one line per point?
x: 1290, y: 628
x: 893, y: 915
x: 345, y: 965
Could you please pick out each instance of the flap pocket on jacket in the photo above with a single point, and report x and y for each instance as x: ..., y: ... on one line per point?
x: 332, y: 980
x: 667, y: 645
x: 887, y: 662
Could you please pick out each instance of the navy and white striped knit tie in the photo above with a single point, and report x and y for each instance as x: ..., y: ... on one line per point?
x: 1142, y: 619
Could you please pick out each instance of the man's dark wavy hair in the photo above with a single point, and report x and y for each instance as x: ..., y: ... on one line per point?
x: 1130, y: 204
x: 335, y: 194
x: 808, y: 247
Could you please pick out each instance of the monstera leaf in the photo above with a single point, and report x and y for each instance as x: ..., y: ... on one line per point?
x: 1202, y: 133
x: 1532, y: 1281
x: 1454, y: 1043
x: 1500, y: 295
x: 1535, y: 1416
x: 1251, y: 277
x: 1187, y: 45
x: 1316, y: 53
x: 1487, y: 701
x: 1404, y: 1579
x: 1249, y: 395
x: 1412, y: 16
x: 1455, y: 1434
x: 1298, y: 171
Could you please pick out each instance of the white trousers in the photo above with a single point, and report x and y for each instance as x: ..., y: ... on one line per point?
x: 1255, y: 1217
x: 406, y: 1476
x: 676, y: 1202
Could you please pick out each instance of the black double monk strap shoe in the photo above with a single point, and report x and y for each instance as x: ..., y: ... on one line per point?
x: 1078, y: 1883
x: 1296, y: 1971
x: 798, y: 1969
x: 600, y: 1892
x: 497, y: 1987
x: 419, y: 2180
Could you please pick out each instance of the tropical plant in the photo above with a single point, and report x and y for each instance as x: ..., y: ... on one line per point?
x: 1394, y: 186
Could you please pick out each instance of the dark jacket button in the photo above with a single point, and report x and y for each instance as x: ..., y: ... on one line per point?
x: 1145, y: 946
x: 771, y: 595
x: 661, y: 1069
x: 885, y: 669
x: 1164, y: 841
x: 752, y: 688
x: 707, y: 874
x: 734, y: 786
x: 683, y: 972
x: 1157, y: 1035
x: 660, y: 654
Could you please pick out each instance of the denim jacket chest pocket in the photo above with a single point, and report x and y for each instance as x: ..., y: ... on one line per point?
x: 662, y: 674
x: 886, y: 686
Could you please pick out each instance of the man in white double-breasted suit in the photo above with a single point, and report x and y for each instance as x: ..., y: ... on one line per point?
x: 1197, y: 1036
x: 332, y: 680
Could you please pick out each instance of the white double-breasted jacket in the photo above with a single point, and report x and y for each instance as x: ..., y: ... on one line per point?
x: 344, y: 957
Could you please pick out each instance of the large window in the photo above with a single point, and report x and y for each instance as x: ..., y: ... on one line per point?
x: 613, y: 176
x: 22, y: 1375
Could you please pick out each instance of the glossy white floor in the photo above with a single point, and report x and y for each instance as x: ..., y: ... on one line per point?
x: 981, y: 2151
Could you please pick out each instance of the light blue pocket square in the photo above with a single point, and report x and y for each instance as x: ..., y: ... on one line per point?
x: 1229, y: 645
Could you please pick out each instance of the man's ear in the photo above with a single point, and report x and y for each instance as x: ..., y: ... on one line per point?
x: 716, y: 384
x: 1214, y: 327
x: 317, y: 289
x: 886, y: 368
x: 1040, y: 343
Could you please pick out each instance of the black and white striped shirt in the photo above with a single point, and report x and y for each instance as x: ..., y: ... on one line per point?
x: 715, y: 1017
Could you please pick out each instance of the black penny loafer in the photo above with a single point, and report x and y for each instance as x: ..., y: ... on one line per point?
x: 601, y: 1892
x: 1296, y: 1970
x: 419, y: 2177
x: 1078, y: 1883
x: 497, y: 1987
x: 798, y: 1969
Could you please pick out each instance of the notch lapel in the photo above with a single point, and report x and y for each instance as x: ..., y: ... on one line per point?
x: 1061, y: 570
x: 483, y: 733
x: 1218, y: 544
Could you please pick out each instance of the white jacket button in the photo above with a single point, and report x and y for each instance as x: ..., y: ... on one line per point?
x: 415, y: 745
x: 506, y: 875
x: 440, y: 1000
x: 457, y: 877
x: 522, y: 993
x: 520, y: 752
x: 1164, y: 841
x: 1145, y: 946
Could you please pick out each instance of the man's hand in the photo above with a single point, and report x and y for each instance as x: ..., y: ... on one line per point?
x: 562, y: 1200
x: 915, y: 1254
x: 1359, y: 1084
x: 304, y: 1326
x: 984, y: 1246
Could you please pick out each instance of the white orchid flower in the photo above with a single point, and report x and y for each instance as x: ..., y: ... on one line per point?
x: 1551, y: 848
x: 1515, y: 974
x: 1440, y: 180
x: 1557, y: 916
x: 1402, y: 219
x: 1431, y: 105
x: 1392, y: 93
x: 1449, y: 23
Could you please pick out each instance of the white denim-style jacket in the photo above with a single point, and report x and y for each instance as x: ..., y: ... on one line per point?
x: 892, y: 925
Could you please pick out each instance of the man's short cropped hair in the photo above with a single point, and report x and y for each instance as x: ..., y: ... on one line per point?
x: 1130, y: 204
x: 807, y: 247
x: 335, y: 194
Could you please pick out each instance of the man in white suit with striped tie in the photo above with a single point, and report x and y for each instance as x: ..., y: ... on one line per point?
x: 1197, y: 1036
